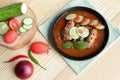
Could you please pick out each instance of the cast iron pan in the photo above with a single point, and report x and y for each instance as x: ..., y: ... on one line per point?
x: 99, y: 16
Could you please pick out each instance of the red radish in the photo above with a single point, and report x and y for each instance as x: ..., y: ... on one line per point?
x: 10, y: 36
x: 14, y: 24
x: 24, y: 69
x: 39, y: 47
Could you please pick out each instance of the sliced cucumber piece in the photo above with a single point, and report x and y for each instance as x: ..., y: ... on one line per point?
x: 22, y: 30
x: 27, y: 26
x: 28, y: 21
x: 71, y: 16
x: 99, y: 26
x: 85, y: 21
x: 82, y: 31
x: 80, y: 18
x: 4, y: 28
x: 94, y: 22
x: 73, y: 33
x: 24, y: 8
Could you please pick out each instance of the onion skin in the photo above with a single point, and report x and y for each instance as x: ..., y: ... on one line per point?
x: 24, y: 69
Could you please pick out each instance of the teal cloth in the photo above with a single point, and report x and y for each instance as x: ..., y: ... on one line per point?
x: 78, y: 66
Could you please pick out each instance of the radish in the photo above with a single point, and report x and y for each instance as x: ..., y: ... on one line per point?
x: 39, y: 47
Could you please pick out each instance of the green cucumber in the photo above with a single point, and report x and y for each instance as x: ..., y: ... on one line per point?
x: 99, y: 26
x: 28, y: 21
x: 85, y: 21
x: 4, y: 28
x: 22, y: 30
x: 12, y: 11
x: 82, y: 31
x: 80, y: 18
x: 71, y: 16
x: 73, y: 33
x: 27, y: 26
x: 94, y: 22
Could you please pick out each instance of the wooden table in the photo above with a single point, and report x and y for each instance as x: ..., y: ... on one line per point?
x: 106, y: 67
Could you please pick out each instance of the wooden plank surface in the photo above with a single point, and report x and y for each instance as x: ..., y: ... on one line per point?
x: 105, y: 67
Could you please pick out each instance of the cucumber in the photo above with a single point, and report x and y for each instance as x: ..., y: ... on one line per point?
x: 4, y: 28
x: 82, y: 31
x: 79, y: 19
x: 99, y: 26
x: 93, y: 22
x: 27, y: 26
x: 12, y: 11
x: 86, y: 21
x: 22, y: 30
x: 73, y: 33
x: 71, y: 16
x: 28, y: 21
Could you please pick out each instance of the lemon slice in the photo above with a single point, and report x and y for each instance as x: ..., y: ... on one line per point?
x: 82, y: 31
x: 73, y: 33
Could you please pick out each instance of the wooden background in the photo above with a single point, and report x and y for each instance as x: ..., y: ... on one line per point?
x: 106, y: 67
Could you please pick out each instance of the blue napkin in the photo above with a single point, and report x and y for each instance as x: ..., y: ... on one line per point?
x: 78, y: 66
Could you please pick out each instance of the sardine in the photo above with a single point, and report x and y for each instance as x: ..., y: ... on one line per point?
x: 91, y: 39
x: 65, y: 32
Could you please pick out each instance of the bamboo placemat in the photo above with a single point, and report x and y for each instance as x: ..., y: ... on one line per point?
x: 108, y: 64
